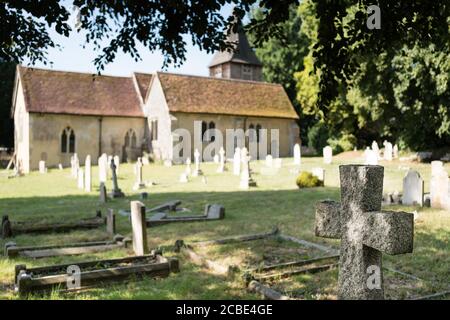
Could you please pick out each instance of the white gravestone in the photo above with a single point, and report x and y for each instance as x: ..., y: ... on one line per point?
x: 80, y: 179
x: 139, y: 228
x: 103, y: 168
x: 319, y: 173
x: 297, y: 155
x: 327, y: 155
x: 439, y: 186
x: 395, y: 151
x: 412, y: 189
x: 376, y: 149
x: 197, y: 171
x: 42, y: 168
x: 87, y: 174
x: 139, y: 183
x: 371, y: 157
x: 387, y: 151
x: 269, y: 161
x: 216, y: 158
x: 237, y: 162
x: 221, y: 160
x: 188, y: 170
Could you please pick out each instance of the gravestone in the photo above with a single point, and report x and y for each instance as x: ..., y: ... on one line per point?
x: 76, y: 163
x: 72, y: 167
x: 42, y: 168
x: 319, y: 173
x: 371, y: 157
x: 188, y: 170
x: 221, y: 160
x: 116, y: 192
x: 237, y: 162
x: 269, y: 161
x: 139, y: 184
x: 111, y: 222
x: 60, y: 166
x: 103, y: 194
x: 365, y: 231
x: 216, y: 158
x: 297, y: 155
x: 87, y: 174
x: 327, y: 155
x: 246, y: 180
x: 439, y: 186
x: 395, y: 151
x: 376, y: 149
x: 103, y: 168
x: 6, y: 228
x: 80, y: 179
x: 413, y: 188
x: 197, y: 171
x: 387, y: 155
x: 139, y: 228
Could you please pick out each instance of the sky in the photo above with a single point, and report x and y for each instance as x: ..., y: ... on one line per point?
x: 73, y: 57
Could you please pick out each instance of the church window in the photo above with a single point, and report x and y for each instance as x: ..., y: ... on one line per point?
x: 204, y: 128
x: 133, y: 140
x: 247, y: 72
x: 154, y: 133
x: 130, y: 139
x: 212, y: 126
x: 68, y: 141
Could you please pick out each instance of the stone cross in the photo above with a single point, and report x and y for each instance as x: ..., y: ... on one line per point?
x: 42, y: 168
x: 103, y: 195
x: 297, y: 155
x: 197, y: 171
x: 139, y: 183
x: 221, y: 160
x: 87, y: 174
x: 116, y: 192
x: 139, y: 228
x: 365, y: 231
x: 413, y: 187
x: 327, y: 155
x: 246, y: 178
x: 237, y: 162
x: 80, y: 179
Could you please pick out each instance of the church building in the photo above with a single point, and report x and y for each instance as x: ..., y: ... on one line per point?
x: 57, y: 113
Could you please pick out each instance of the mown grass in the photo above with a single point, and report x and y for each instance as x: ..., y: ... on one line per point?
x: 275, y: 202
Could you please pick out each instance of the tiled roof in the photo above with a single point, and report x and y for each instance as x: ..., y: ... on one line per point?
x: 143, y: 81
x: 194, y: 94
x: 48, y: 91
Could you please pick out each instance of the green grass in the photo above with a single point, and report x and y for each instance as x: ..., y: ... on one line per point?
x: 276, y: 201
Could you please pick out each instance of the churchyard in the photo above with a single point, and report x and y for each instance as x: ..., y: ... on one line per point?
x: 217, y: 271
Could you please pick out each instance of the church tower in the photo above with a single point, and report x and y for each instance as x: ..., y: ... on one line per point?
x: 240, y: 63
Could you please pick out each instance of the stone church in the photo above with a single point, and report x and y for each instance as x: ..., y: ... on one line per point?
x: 57, y: 113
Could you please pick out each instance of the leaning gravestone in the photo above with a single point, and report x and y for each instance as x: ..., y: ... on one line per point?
x: 116, y: 192
x: 365, y: 231
x: 412, y: 189
x: 139, y: 228
x: 327, y: 155
x: 103, y: 194
x: 297, y: 155
x: 87, y: 174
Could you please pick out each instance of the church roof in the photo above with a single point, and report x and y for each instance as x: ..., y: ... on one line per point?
x: 48, y: 91
x: 194, y: 94
x: 241, y: 53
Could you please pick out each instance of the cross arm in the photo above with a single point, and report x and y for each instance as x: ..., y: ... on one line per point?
x: 389, y: 232
x: 328, y: 219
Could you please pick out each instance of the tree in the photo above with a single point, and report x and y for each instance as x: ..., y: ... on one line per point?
x: 7, y: 70
x: 157, y: 24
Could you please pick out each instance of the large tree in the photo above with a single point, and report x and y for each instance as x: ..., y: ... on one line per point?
x: 114, y: 26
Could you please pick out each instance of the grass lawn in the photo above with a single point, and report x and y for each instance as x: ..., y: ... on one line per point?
x: 275, y: 202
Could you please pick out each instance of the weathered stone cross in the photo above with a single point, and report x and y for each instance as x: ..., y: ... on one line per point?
x: 365, y: 231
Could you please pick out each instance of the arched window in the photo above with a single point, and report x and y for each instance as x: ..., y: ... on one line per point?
x: 204, y: 128
x: 68, y: 141
x: 130, y: 139
x: 258, y: 128
x: 212, y: 126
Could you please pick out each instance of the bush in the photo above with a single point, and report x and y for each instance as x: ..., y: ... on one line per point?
x: 308, y: 180
x: 346, y: 142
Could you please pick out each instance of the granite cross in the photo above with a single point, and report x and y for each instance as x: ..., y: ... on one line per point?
x: 365, y: 231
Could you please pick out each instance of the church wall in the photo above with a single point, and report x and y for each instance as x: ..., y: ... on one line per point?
x: 21, y: 131
x: 162, y: 147
x: 46, y: 131
x: 223, y: 122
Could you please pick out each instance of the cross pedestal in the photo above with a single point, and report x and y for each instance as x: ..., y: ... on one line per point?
x: 365, y: 231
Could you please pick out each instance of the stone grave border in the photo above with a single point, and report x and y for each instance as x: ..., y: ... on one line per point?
x: 212, y: 212
x: 28, y: 280
x: 26, y: 228
x: 36, y: 252
x: 252, y: 280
